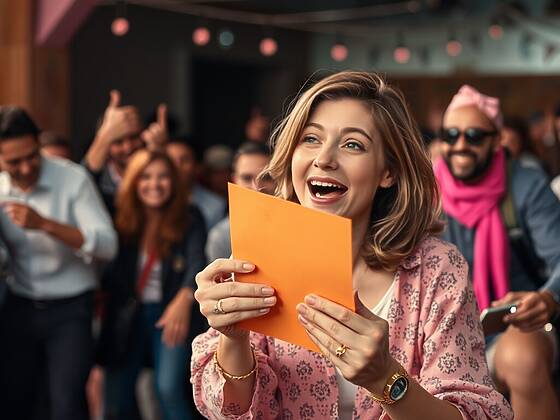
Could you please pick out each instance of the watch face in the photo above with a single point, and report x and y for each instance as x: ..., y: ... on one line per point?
x: 398, y: 389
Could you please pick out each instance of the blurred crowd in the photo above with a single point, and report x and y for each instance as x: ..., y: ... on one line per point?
x: 153, y: 193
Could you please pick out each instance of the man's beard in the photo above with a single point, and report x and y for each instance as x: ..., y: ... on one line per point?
x: 479, y: 169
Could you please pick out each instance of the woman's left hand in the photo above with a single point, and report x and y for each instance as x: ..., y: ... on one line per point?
x: 176, y: 318
x: 366, y: 362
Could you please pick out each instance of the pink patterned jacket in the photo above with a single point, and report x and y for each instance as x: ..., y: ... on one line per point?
x: 434, y: 333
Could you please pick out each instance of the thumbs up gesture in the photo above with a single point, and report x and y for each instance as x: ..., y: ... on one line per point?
x: 119, y: 122
x: 156, y: 135
x: 357, y: 343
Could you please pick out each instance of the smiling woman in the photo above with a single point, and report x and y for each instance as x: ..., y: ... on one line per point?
x: 412, y: 348
x: 150, y: 285
x: 367, y: 125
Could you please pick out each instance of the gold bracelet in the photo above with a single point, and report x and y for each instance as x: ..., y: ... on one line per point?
x: 236, y: 377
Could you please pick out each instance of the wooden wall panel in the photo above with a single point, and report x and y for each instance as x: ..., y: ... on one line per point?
x: 519, y: 95
x: 15, y: 52
x: 32, y: 77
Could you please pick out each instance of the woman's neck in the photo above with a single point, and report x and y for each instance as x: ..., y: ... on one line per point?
x: 152, y: 216
x: 152, y: 222
x: 371, y: 284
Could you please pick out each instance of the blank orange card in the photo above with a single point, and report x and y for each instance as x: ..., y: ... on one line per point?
x: 297, y: 251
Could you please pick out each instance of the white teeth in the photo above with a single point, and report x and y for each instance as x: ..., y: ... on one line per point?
x: 324, y: 184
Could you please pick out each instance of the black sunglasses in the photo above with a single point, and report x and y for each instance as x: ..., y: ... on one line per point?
x: 473, y: 135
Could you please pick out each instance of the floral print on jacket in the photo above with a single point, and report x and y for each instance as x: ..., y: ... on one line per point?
x: 434, y: 333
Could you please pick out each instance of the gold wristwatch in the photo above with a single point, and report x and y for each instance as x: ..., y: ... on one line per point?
x: 395, y: 389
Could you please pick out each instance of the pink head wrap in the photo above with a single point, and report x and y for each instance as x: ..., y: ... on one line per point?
x: 488, y: 105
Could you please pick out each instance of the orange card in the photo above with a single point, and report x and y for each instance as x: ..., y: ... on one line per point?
x: 297, y: 251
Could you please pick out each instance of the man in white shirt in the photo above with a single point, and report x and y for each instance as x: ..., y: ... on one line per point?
x: 55, y: 227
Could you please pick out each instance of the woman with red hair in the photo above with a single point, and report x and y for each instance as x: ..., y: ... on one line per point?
x: 150, y: 310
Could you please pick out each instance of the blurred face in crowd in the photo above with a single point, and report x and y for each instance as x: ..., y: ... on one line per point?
x: 183, y: 158
x: 21, y: 159
x: 338, y: 163
x: 155, y: 185
x: 57, y: 151
x: 122, y: 149
x: 247, y: 168
x: 468, y: 161
x: 511, y: 140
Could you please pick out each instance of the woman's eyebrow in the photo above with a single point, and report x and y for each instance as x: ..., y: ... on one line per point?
x: 345, y: 130
x: 357, y: 130
x: 312, y: 124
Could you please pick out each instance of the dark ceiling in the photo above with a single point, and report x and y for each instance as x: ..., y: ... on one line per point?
x: 369, y: 8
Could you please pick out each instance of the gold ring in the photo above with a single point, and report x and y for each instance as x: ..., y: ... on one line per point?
x: 218, y: 307
x: 341, y: 350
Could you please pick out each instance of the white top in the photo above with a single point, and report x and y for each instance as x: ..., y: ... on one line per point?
x: 346, y: 389
x: 44, y: 267
x: 152, y: 292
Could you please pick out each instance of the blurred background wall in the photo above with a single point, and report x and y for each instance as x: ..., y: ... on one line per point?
x: 60, y: 58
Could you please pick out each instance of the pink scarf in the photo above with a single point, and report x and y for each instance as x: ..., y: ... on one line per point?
x: 478, y: 206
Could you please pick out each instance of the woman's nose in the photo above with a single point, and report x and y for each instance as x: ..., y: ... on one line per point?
x: 326, y: 158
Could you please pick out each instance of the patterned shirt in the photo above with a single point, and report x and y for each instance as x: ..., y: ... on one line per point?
x: 434, y: 334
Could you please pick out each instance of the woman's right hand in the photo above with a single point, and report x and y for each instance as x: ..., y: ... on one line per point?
x: 239, y: 301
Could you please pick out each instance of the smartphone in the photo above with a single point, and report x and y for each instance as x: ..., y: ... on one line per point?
x: 492, y: 319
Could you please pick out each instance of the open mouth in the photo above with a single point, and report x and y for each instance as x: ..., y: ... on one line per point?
x: 326, y: 189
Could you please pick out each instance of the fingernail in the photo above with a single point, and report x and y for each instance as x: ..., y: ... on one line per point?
x: 264, y: 310
x: 269, y: 300
x: 310, y: 300
x: 302, y: 320
x: 248, y: 267
x: 267, y: 291
x: 301, y: 308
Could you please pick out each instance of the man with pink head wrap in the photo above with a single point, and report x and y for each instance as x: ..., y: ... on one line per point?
x: 476, y: 178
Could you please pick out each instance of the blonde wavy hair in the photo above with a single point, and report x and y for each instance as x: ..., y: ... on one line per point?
x: 403, y: 214
x: 130, y: 217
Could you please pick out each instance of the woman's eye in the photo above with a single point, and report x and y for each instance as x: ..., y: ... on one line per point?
x: 309, y: 139
x: 354, y: 145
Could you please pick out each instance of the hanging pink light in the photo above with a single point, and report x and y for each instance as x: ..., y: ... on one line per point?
x: 120, y: 26
x: 201, y: 36
x: 454, y: 47
x: 268, y: 46
x: 339, y: 52
x: 495, y: 31
x: 401, y: 55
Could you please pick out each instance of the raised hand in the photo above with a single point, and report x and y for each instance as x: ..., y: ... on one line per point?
x: 357, y: 343
x: 225, y: 302
x: 119, y: 122
x: 156, y: 135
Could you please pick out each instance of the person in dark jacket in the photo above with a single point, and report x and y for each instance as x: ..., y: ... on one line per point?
x: 161, y: 252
